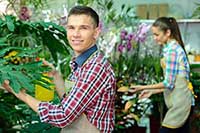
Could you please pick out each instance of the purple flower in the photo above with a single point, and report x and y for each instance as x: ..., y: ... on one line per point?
x: 24, y: 13
x: 123, y: 34
x: 120, y: 48
x: 130, y: 36
x: 124, y: 31
x: 129, y: 46
x: 141, y: 34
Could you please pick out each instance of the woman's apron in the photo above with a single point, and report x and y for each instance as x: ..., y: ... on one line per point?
x: 178, y: 102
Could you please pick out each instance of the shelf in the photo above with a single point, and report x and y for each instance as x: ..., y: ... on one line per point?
x: 194, y: 63
x: 179, y: 20
x: 189, y: 21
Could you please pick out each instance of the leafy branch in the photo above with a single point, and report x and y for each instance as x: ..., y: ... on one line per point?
x: 50, y: 36
x: 22, y: 74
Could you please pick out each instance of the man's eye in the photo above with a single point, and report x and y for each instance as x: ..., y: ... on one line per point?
x: 84, y: 27
x: 70, y: 27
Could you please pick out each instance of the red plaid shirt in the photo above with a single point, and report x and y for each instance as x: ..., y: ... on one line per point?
x: 93, y: 94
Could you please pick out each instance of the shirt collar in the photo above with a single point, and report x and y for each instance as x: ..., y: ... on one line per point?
x: 84, y: 56
x: 168, y: 45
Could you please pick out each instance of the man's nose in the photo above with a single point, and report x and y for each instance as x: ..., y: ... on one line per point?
x: 76, y: 32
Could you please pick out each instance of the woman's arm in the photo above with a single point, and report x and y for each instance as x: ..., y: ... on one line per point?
x: 148, y: 93
x: 137, y: 88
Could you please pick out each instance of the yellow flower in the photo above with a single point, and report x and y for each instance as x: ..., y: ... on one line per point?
x: 11, y: 54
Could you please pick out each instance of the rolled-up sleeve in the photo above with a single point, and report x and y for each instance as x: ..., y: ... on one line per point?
x: 171, y: 61
x: 52, y: 114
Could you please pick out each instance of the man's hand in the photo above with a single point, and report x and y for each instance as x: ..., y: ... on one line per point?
x: 54, y: 71
x: 23, y: 96
x: 6, y: 86
x: 20, y: 95
x: 57, y: 79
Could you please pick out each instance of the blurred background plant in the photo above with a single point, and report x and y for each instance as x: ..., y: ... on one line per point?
x: 135, y: 60
x: 24, y: 9
x: 196, y: 13
x: 195, y: 79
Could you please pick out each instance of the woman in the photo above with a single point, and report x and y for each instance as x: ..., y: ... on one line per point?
x: 178, y: 97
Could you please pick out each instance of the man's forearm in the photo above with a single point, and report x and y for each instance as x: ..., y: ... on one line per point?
x: 29, y: 100
x: 59, y: 84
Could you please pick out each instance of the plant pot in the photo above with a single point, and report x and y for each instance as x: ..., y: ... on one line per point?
x: 42, y: 93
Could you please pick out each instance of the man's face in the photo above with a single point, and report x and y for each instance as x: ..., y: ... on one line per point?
x: 81, y: 32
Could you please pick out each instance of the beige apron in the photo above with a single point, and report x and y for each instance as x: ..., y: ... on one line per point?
x: 178, y: 102
x: 81, y: 125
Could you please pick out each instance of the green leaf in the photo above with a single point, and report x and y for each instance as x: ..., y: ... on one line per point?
x: 109, y: 5
x: 122, y: 7
x: 3, y: 39
x: 128, y: 9
x: 24, y: 81
x: 10, y: 22
x: 14, y: 83
x: 4, y: 76
x: 5, y: 50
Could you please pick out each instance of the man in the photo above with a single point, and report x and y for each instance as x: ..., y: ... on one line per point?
x: 89, y: 106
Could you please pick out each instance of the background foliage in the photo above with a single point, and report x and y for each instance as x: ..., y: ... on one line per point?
x: 32, y: 40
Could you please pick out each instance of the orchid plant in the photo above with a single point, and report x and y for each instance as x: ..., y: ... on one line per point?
x: 133, y: 63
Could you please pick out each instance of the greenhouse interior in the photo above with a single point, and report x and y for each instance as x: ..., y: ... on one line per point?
x: 110, y: 66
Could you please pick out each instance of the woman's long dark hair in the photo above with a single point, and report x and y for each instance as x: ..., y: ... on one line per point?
x: 169, y: 23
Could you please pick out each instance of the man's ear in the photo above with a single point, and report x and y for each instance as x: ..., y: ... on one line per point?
x: 97, y: 33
